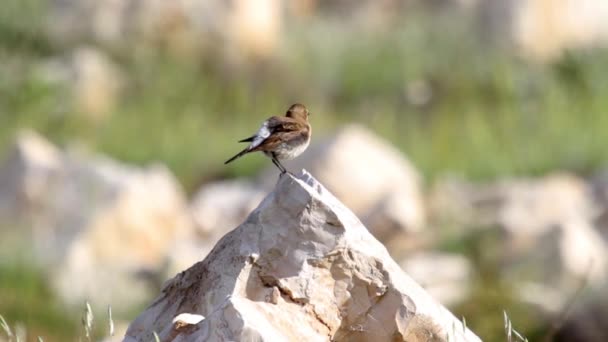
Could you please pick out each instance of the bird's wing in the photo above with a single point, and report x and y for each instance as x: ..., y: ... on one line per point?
x: 264, y: 132
x: 271, y: 126
x: 282, y: 124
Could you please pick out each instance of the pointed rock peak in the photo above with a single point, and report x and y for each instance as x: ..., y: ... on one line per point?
x: 301, y: 267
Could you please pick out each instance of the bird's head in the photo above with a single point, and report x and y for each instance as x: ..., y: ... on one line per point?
x: 298, y: 111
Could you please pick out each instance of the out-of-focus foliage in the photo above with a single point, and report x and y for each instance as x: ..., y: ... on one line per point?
x: 451, y: 102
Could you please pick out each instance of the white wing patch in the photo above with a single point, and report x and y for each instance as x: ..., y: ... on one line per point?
x: 260, y: 136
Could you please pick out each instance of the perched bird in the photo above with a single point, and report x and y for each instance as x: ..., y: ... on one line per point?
x: 281, y: 137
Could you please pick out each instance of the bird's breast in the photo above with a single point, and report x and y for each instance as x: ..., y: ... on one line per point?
x: 289, y: 151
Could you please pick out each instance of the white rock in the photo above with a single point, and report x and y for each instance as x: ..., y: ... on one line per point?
x: 92, y: 223
x: 302, y: 267
x: 549, y: 237
x: 523, y: 208
x: 240, y: 30
x: 561, y: 257
x: 369, y: 175
x: 93, y: 79
x: 544, y: 29
x: 27, y: 176
x: 219, y: 207
x: 133, y: 220
x: 533, y: 206
x: 447, y: 277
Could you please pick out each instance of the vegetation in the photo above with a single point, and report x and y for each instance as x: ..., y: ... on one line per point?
x: 450, y: 102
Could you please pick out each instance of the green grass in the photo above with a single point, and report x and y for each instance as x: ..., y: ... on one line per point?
x: 27, y: 299
x: 490, y: 115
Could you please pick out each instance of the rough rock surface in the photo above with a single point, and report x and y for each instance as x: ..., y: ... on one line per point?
x: 388, y: 199
x: 302, y: 267
x: 92, y: 223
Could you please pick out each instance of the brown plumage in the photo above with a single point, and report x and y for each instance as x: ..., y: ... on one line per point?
x: 281, y: 137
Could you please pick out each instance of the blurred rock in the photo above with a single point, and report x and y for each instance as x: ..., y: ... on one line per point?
x: 447, y: 277
x: 182, y: 254
x: 302, y: 267
x: 560, y: 257
x: 245, y: 29
x: 27, y: 176
x: 543, y: 29
x: 546, y: 225
x: 523, y: 208
x: 255, y: 27
x: 369, y: 175
x: 533, y: 206
x: 92, y: 78
x: 459, y: 203
x: 96, y: 83
x: 220, y: 207
x: 96, y: 224
x: 599, y: 184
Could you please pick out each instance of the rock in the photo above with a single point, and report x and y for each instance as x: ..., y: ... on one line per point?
x: 454, y: 202
x: 134, y: 217
x: 523, y: 208
x: 370, y: 176
x: 236, y: 29
x: 533, y: 206
x: 219, y: 207
x: 94, y: 224
x: 543, y: 29
x: 450, y: 286
x: 26, y: 177
x: 599, y: 185
x: 560, y: 258
x: 545, y: 227
x: 182, y: 254
x: 92, y: 78
x: 302, y: 267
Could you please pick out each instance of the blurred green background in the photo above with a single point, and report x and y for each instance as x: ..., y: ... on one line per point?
x: 454, y: 96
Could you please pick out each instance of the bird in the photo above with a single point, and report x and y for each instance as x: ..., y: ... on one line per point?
x: 281, y: 137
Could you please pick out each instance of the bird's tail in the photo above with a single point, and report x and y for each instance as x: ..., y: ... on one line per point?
x: 250, y: 139
x: 238, y: 155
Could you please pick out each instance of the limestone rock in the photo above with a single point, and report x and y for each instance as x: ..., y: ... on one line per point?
x: 92, y: 223
x: 369, y: 176
x: 302, y: 267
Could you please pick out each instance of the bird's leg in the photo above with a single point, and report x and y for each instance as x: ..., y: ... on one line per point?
x: 285, y: 169
x: 278, y: 164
